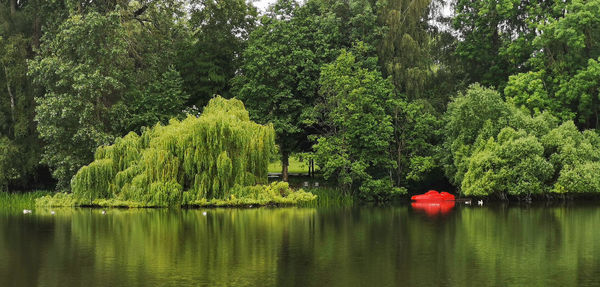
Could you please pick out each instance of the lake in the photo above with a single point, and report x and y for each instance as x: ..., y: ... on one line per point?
x: 398, y: 245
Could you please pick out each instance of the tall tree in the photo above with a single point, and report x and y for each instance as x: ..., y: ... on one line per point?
x: 220, y: 31
x: 497, y: 36
x: 564, y: 67
x: 416, y: 140
x: 358, y: 131
x: 404, y: 50
x: 20, y: 29
x: 82, y: 70
x: 279, y: 78
x: 100, y: 73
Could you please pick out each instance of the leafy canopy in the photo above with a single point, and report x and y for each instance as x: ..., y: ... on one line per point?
x: 354, y: 148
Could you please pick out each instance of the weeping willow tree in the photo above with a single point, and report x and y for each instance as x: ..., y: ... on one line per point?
x: 404, y: 49
x: 218, y: 156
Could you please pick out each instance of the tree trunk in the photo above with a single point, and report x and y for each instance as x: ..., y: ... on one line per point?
x: 13, y: 7
x: 399, y: 149
x: 399, y: 162
x: 37, y: 31
x: 12, y: 97
x: 285, y: 162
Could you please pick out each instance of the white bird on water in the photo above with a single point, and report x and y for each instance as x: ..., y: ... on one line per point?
x: 103, y: 212
x: 52, y: 212
x: 204, y: 213
x: 480, y: 202
x: 26, y: 211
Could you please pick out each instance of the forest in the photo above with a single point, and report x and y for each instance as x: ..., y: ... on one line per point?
x: 388, y: 97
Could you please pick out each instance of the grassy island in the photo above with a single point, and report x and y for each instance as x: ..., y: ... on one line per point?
x: 217, y: 159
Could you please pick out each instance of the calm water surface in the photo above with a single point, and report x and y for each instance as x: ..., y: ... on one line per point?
x: 399, y: 245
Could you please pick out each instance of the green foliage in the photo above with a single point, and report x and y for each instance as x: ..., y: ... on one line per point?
x: 564, y: 68
x: 17, y: 128
x: 95, y: 179
x: 580, y: 93
x: 477, y: 113
x: 60, y: 199
x: 477, y: 116
x: 416, y: 140
x: 220, y: 155
x: 8, y: 171
x: 104, y: 75
x: 582, y: 178
x: 77, y: 76
x: 162, y: 100
x: 99, y: 6
x: 81, y: 71
x: 570, y: 40
x: 514, y: 165
x: 575, y: 156
x: 353, y: 150
x: 404, y: 49
x: 21, y: 26
x: 212, y: 57
x: 498, y: 36
x: 279, y: 79
x: 276, y: 193
x: 373, y: 141
x: 503, y: 151
x: 567, y: 146
x: 527, y: 89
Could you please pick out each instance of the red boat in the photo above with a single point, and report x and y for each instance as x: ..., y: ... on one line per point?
x: 433, y: 195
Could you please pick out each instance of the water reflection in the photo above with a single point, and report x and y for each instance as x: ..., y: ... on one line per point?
x: 374, y: 246
x: 433, y: 209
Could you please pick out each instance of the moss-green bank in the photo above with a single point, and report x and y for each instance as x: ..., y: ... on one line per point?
x: 274, y: 194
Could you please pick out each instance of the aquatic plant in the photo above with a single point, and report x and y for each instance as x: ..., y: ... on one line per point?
x: 20, y: 200
x: 329, y: 197
x: 215, y: 156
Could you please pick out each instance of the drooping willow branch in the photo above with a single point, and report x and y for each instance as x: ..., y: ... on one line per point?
x: 198, y: 158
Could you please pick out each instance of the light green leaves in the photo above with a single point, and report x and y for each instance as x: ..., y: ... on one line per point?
x: 527, y: 156
x: 206, y: 157
x: 514, y: 164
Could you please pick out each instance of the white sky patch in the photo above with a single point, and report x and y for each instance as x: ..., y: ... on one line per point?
x: 446, y: 7
x: 262, y: 5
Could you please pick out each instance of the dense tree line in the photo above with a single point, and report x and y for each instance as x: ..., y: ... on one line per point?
x: 495, y: 97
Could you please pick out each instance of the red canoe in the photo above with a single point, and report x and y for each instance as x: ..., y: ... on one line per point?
x: 433, y: 195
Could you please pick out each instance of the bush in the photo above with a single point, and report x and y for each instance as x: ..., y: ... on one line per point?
x: 505, y: 151
x: 514, y: 165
